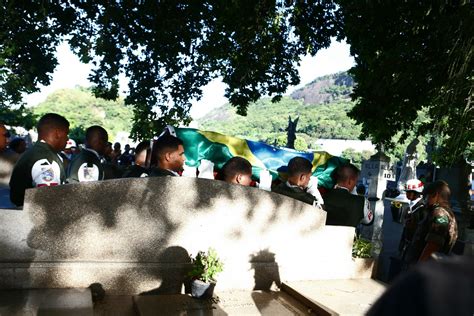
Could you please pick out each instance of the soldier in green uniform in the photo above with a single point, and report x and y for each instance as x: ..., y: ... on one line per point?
x: 439, y: 231
x: 41, y: 165
x: 139, y: 170
x: 167, y: 157
x: 87, y: 166
x: 343, y: 207
x: 299, y: 176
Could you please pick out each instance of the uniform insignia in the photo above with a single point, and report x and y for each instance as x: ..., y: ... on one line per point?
x: 45, y: 173
x: 88, y: 172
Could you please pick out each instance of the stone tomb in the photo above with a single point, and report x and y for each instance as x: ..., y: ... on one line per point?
x: 135, y: 236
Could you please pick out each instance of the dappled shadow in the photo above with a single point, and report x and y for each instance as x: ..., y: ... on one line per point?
x: 134, y: 221
x: 266, y: 270
x: 172, y: 277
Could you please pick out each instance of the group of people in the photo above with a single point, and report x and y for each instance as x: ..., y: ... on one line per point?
x: 54, y: 160
x: 429, y: 223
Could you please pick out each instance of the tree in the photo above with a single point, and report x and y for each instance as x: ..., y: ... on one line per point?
x: 410, y: 56
x: 356, y: 157
x: 167, y: 49
x: 82, y: 110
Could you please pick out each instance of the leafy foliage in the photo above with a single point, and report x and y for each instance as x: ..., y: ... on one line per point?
x: 266, y: 121
x: 20, y: 116
x: 412, y: 56
x: 82, y: 110
x: 206, y: 266
x: 356, y: 157
x: 167, y: 49
x: 361, y: 248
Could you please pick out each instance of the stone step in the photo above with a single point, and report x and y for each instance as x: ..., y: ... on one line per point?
x: 336, y: 297
x: 54, y: 302
x: 232, y: 302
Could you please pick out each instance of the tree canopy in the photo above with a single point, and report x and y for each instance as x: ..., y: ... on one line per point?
x: 167, y: 49
x: 412, y: 56
x: 409, y: 56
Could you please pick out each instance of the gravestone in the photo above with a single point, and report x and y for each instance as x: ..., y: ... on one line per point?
x: 377, y: 171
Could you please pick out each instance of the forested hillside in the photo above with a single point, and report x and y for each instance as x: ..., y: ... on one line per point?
x: 321, y: 105
x: 82, y: 110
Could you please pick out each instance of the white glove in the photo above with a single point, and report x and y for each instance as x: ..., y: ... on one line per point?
x: 265, y: 180
x: 189, y: 171
x: 313, y: 190
x: 206, y: 169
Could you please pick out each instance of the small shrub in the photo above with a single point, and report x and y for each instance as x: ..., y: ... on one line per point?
x: 362, y: 248
x: 206, y: 266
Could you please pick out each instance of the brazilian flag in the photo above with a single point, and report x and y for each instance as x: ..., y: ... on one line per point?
x: 219, y: 148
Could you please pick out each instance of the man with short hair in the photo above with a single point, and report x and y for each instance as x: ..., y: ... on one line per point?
x: 237, y: 170
x: 299, y: 176
x: 344, y: 208
x: 41, y: 165
x: 168, y: 156
x: 87, y: 166
x: 139, y: 170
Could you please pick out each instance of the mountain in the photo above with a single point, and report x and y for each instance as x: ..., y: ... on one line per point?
x: 326, y: 89
x: 322, y: 107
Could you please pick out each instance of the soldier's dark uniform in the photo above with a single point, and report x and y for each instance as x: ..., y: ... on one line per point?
x: 37, y: 167
x: 413, y: 218
x: 135, y: 171
x: 345, y: 209
x: 295, y: 192
x: 158, y: 172
x: 85, y: 167
x: 439, y: 227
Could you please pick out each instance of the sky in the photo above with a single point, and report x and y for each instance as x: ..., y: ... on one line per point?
x: 70, y: 72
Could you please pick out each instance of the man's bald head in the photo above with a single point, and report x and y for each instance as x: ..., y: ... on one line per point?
x: 346, y: 176
x: 97, y: 138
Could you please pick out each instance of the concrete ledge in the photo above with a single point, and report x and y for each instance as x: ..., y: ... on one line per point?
x: 136, y: 235
x: 236, y: 302
x: 337, y: 297
x: 67, y: 302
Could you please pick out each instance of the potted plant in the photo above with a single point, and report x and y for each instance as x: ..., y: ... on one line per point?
x: 362, y: 257
x: 206, y: 266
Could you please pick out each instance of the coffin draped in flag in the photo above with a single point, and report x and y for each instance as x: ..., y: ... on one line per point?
x: 219, y: 148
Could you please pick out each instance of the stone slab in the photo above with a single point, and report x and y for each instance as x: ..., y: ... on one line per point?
x: 228, y: 303
x: 115, y: 305
x: 136, y: 235
x: 339, y: 297
x: 51, y: 302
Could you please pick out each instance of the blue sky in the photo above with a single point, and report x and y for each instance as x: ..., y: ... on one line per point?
x: 71, y: 72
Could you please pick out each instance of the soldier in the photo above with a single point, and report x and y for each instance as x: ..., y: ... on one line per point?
x: 87, y: 166
x: 41, y: 165
x: 167, y: 156
x: 138, y: 170
x: 237, y: 170
x: 415, y: 214
x: 344, y: 208
x: 300, y: 185
x: 439, y: 231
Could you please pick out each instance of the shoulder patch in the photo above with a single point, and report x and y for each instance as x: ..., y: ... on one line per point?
x: 442, y: 220
x: 45, y: 173
x: 88, y: 173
